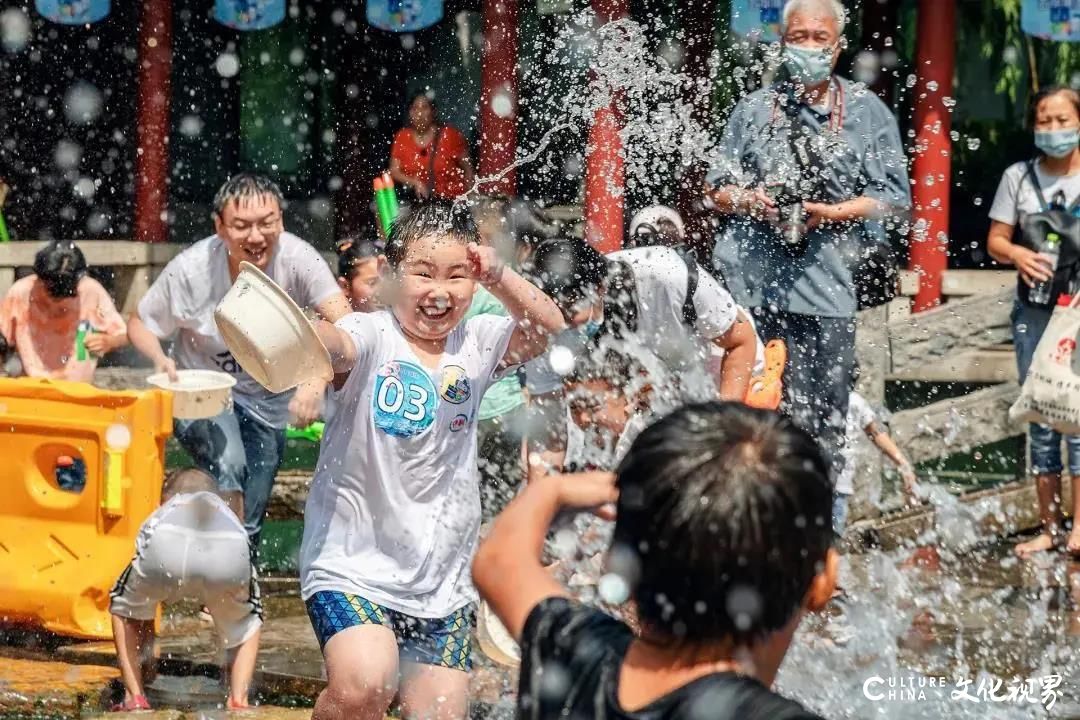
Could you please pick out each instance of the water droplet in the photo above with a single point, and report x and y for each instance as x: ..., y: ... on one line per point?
x: 502, y: 104
x: 227, y: 65
x: 82, y: 103
x: 561, y: 359
x: 14, y: 30
x: 191, y: 126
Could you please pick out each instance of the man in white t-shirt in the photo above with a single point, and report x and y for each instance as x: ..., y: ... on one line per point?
x: 637, y: 298
x: 242, y: 447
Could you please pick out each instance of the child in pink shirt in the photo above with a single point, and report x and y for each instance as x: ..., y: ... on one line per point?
x: 40, y: 316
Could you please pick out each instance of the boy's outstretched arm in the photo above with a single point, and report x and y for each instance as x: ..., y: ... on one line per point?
x: 887, y: 446
x: 537, y: 315
x: 507, y: 569
x: 340, y: 345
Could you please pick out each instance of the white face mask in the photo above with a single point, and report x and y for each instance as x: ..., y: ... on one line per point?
x: 1057, y: 143
x: 809, y: 65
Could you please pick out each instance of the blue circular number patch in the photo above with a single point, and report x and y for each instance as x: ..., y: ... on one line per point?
x: 405, y: 401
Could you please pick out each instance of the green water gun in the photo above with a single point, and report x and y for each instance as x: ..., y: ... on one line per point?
x: 386, y: 202
x: 81, y: 353
x: 4, y: 236
x: 312, y: 432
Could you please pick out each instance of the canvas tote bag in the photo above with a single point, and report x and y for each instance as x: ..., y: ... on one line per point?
x: 1051, y: 392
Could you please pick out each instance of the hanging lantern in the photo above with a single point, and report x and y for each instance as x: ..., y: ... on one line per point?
x: 249, y: 14
x: 757, y: 19
x: 404, y: 15
x: 1050, y: 20
x: 73, y: 12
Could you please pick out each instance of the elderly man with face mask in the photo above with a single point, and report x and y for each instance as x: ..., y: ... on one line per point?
x: 810, y: 172
x: 241, y: 448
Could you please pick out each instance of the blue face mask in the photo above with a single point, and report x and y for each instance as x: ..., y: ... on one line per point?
x: 592, y: 328
x: 809, y: 66
x: 1057, y: 143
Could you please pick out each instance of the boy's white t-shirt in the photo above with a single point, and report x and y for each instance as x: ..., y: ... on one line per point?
x: 183, y: 299
x: 859, y: 416
x: 394, y: 507
x: 660, y: 279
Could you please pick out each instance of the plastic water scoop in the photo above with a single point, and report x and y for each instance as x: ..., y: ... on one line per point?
x: 268, y: 334
x: 117, y: 441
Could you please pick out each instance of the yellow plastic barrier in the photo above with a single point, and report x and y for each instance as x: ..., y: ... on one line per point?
x: 61, y: 549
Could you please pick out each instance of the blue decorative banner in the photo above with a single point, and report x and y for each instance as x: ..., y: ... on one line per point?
x: 249, y: 14
x: 1051, y: 19
x: 404, y: 15
x: 73, y: 12
x: 759, y: 19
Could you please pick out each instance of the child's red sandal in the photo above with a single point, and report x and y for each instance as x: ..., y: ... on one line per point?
x: 135, y: 704
x: 231, y: 704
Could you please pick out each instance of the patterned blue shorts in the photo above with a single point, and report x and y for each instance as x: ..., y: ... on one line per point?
x: 443, y: 642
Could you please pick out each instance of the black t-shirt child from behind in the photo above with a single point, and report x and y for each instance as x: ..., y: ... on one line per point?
x: 570, y: 661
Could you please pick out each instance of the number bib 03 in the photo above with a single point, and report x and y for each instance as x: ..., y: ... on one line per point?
x: 404, y: 401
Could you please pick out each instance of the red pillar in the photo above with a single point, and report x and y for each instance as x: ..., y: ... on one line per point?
x: 605, y: 177
x: 152, y: 124
x: 931, y: 170
x: 498, y: 95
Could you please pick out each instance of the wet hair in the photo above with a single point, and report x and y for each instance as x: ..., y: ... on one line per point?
x: 60, y: 265
x: 431, y: 217
x: 352, y: 251
x: 568, y: 270
x: 606, y: 364
x: 835, y: 8
x: 1048, y: 92
x: 246, y: 186
x: 4, y: 350
x: 187, y: 480
x: 723, y: 521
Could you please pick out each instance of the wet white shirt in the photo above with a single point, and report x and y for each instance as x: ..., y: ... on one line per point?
x: 660, y: 280
x: 394, y: 507
x: 859, y: 417
x: 182, y: 300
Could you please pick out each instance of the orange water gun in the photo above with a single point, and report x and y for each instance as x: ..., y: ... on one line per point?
x: 766, y: 391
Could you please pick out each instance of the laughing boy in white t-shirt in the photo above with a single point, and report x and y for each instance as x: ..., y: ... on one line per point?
x: 394, y: 509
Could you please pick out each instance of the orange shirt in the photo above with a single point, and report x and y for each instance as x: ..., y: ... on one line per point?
x: 43, y: 331
x: 415, y: 159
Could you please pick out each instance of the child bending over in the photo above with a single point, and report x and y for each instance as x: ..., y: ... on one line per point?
x: 394, y: 509
x: 193, y: 546
x: 723, y: 542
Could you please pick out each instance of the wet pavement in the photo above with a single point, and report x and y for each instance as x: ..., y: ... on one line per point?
x: 939, y: 608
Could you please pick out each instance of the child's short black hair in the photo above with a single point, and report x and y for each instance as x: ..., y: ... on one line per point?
x: 723, y: 519
x: 568, y: 270
x: 60, y: 265
x: 352, y: 251
x: 606, y: 364
x: 432, y: 217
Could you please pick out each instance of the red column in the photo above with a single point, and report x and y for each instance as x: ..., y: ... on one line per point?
x: 498, y: 95
x: 152, y: 124
x: 604, y: 173
x: 931, y: 170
